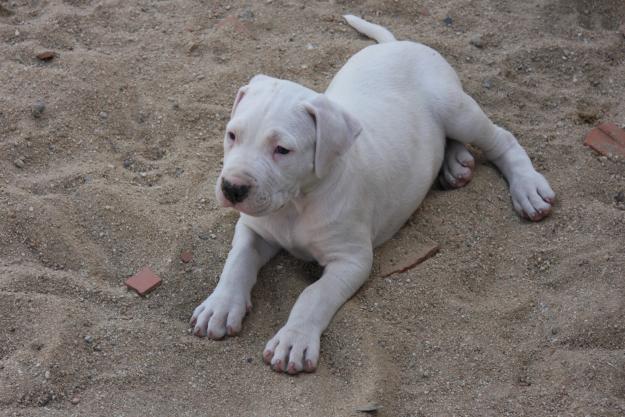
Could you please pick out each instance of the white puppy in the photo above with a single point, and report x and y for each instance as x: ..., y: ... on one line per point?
x: 329, y: 177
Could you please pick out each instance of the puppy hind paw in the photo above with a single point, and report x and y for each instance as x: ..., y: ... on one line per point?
x: 458, y: 166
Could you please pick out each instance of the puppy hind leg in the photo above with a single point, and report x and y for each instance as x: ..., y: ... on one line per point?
x: 532, y: 197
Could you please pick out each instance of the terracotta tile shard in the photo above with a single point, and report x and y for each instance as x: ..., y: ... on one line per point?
x: 46, y: 55
x: 607, y: 139
x: 186, y: 256
x: 403, y: 262
x: 143, y: 281
x: 234, y: 23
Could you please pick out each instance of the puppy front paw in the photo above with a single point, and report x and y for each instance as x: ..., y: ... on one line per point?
x: 293, y: 349
x: 220, y: 315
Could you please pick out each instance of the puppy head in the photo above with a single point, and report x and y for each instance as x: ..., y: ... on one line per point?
x: 282, y: 138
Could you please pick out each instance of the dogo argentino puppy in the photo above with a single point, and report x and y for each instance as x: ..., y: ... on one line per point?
x: 330, y: 176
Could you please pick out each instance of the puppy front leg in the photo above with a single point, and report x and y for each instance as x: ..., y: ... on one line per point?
x: 223, y: 311
x: 295, y: 347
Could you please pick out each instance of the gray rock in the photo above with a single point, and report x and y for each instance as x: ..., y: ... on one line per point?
x: 19, y: 162
x: 38, y: 108
x: 89, y: 339
x: 476, y: 40
x: 246, y: 14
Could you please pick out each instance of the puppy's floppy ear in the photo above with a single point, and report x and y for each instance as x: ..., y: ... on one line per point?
x: 336, y: 132
x: 237, y: 100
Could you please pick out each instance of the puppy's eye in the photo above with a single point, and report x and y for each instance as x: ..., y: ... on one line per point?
x: 281, y: 150
x: 231, y: 136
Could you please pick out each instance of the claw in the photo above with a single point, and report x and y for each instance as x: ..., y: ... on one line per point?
x: 267, y: 356
x: 308, y: 366
x: 291, y: 369
x: 277, y: 366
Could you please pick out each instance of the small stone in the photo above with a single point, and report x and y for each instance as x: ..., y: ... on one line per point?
x: 249, y: 360
x: 476, y: 41
x: 97, y: 348
x: 38, y: 108
x: 186, y: 256
x: 620, y: 197
x: 448, y: 21
x: 75, y: 400
x: 89, y: 339
x: 19, y: 162
x: 589, y: 116
x: 369, y: 408
x: 128, y: 163
x: 47, y: 375
x: 246, y: 14
x: 310, y: 46
x: 488, y: 84
x: 103, y: 115
x: 46, y: 55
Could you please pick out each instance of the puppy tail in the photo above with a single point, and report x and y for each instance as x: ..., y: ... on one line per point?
x: 375, y: 32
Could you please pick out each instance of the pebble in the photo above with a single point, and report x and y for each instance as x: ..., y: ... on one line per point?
x: 620, y: 197
x: 46, y: 55
x: 246, y: 15
x: 448, y: 21
x: 476, y: 41
x: 38, y: 108
x: 186, y: 256
x: 47, y: 375
x: 103, y: 115
x: 487, y: 83
x: 19, y: 162
x: 75, y: 400
x: 89, y: 339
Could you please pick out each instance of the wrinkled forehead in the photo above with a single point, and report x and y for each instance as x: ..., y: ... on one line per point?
x: 270, y: 104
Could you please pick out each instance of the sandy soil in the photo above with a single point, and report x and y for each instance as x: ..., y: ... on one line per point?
x: 508, y: 319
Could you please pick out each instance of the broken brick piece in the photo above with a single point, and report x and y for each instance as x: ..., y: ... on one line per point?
x: 143, y: 281
x: 409, y: 260
x: 186, y: 256
x: 46, y: 55
x: 607, y: 139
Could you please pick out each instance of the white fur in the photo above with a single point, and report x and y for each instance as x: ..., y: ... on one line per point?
x: 363, y: 156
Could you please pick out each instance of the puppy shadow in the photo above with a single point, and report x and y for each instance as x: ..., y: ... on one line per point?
x: 279, y: 284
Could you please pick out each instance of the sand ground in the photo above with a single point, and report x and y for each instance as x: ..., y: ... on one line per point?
x: 508, y: 319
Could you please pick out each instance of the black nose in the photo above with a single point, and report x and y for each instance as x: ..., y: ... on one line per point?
x: 234, y: 193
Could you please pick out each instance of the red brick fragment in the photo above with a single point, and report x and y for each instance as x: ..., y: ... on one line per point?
x: 607, y: 138
x: 143, y: 281
x: 46, y: 55
x: 234, y: 23
x: 409, y: 260
x: 186, y: 256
